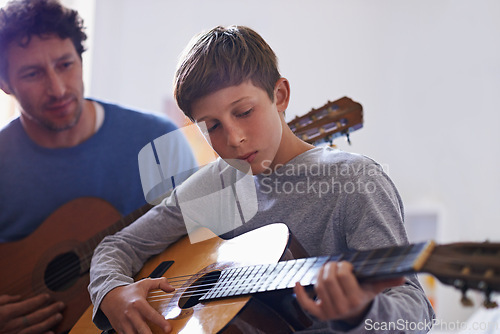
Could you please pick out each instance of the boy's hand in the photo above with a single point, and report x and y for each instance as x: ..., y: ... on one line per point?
x: 33, y: 315
x: 128, y: 310
x: 338, y: 294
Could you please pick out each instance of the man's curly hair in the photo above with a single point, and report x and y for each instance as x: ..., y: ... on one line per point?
x: 22, y: 19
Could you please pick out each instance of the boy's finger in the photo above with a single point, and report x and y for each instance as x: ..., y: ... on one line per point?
x: 306, y: 302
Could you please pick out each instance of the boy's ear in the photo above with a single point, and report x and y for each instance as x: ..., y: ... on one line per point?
x: 282, y: 94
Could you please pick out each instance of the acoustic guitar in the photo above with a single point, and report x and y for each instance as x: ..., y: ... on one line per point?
x: 55, y: 259
x: 65, y: 241
x: 334, y: 119
x: 237, y: 285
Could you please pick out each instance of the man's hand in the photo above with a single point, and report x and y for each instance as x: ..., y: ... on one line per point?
x: 30, y: 316
x: 128, y: 310
x: 339, y: 296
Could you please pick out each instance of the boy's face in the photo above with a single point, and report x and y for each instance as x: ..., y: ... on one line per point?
x: 243, y: 123
x: 46, y: 79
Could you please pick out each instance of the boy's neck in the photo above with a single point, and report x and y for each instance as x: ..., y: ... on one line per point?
x: 291, y: 146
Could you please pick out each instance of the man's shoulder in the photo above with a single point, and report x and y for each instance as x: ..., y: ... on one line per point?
x: 124, y: 114
x: 10, y: 130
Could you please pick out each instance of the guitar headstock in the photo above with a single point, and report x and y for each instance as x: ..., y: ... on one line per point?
x: 467, y: 265
x: 334, y: 119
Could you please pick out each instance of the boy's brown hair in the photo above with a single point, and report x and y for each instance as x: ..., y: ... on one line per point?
x: 223, y: 57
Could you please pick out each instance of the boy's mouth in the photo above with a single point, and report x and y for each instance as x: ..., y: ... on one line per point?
x: 248, y: 157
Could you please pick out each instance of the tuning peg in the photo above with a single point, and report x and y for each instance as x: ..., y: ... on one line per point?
x: 488, y: 303
x: 466, y: 301
x: 460, y: 284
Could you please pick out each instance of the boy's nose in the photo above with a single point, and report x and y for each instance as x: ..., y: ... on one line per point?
x: 235, y: 136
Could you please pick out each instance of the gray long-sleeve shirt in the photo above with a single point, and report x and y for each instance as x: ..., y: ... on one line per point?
x: 332, y: 201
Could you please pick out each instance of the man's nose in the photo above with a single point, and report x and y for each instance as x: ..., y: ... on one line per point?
x: 55, y: 84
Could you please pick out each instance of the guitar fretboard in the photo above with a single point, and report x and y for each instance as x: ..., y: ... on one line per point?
x: 377, y: 263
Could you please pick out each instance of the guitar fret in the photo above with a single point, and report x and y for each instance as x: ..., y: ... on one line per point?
x: 263, y: 274
x: 353, y: 257
x: 283, y: 275
x: 214, y: 291
x: 404, y: 251
x: 365, y: 257
x: 270, y: 277
x: 380, y: 263
x: 222, y: 288
x: 247, y: 284
x: 306, y: 267
x: 230, y: 286
x: 239, y: 284
x: 310, y: 276
x: 283, y: 272
x: 292, y: 275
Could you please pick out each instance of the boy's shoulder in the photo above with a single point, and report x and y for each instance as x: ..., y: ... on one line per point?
x: 325, y: 160
x: 330, y: 155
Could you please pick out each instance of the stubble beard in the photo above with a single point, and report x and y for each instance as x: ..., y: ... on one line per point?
x: 55, y: 126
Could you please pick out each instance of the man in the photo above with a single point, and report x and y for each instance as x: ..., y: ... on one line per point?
x: 62, y: 146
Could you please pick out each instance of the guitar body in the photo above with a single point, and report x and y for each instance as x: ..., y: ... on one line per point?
x: 38, y: 263
x: 268, y: 244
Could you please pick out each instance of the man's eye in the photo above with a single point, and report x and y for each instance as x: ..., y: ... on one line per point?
x: 30, y: 75
x: 66, y: 64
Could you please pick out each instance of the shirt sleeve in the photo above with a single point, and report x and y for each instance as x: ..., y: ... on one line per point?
x: 373, y: 217
x: 120, y: 256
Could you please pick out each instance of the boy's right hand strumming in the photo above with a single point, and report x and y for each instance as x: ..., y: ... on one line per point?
x: 128, y: 310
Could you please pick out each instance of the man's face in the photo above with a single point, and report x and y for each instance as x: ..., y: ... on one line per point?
x: 46, y: 79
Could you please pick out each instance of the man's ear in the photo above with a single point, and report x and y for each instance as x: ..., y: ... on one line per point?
x: 282, y: 94
x: 5, y: 87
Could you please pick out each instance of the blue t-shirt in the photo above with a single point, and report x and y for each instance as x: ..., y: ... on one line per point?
x: 36, y: 181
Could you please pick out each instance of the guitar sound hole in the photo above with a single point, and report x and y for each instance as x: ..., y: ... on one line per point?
x: 62, y: 272
x: 191, y: 296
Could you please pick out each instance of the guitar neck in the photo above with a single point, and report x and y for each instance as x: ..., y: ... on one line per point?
x: 371, y: 264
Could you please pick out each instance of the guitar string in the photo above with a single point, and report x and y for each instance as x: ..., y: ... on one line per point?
x: 200, y: 290
x: 160, y: 295
x: 62, y: 277
x: 374, y: 262
x: 197, y: 291
x: 54, y: 281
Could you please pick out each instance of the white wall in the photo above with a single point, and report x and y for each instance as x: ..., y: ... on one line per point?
x: 426, y: 71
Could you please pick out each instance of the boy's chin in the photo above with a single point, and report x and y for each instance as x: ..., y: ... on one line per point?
x: 241, y: 165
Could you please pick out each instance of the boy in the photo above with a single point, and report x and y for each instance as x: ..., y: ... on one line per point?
x: 228, y: 79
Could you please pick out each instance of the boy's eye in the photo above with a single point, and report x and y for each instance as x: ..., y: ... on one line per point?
x: 246, y: 113
x: 213, y: 127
